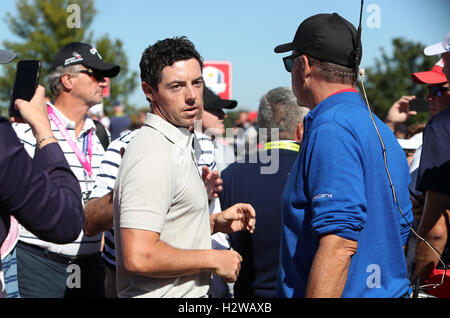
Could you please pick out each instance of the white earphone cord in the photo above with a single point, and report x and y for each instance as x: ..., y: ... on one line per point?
x: 435, y: 251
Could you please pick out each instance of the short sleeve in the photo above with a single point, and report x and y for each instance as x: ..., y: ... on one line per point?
x: 434, y: 168
x: 145, y: 191
x: 336, y: 182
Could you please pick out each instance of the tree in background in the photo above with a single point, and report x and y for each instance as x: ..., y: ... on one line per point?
x: 43, y: 26
x: 390, y: 77
x: 232, y: 116
x: 125, y: 83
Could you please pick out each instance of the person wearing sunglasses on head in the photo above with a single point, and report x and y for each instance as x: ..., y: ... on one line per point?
x: 41, y: 193
x: 76, y: 81
x: 434, y: 171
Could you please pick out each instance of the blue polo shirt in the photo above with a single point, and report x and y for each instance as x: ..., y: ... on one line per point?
x: 339, y: 186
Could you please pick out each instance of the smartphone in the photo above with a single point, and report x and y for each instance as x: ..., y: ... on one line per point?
x: 25, y: 83
x: 419, y: 105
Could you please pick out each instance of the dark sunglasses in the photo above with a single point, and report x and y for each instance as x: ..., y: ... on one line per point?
x: 437, y: 91
x: 289, y: 61
x: 99, y: 77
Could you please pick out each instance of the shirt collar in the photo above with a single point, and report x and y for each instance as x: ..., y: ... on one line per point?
x: 331, y: 101
x: 180, y: 136
x: 88, y: 122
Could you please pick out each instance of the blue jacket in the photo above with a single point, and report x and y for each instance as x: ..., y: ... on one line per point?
x: 41, y: 193
x: 245, y: 182
x: 339, y: 186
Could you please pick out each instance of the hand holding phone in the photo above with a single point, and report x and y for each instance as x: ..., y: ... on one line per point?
x: 400, y: 111
x: 25, y: 83
x: 35, y: 114
x: 419, y: 105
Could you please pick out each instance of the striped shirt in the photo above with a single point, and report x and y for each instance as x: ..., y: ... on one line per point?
x: 104, y: 184
x: 83, y: 245
x: 204, y: 151
x: 205, y: 155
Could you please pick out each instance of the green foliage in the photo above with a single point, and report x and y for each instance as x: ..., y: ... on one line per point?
x: 232, y: 116
x: 390, y: 78
x: 120, y: 86
x: 42, y: 26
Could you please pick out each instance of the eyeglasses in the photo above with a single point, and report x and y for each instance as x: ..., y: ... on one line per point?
x: 99, y: 77
x: 437, y: 91
x: 289, y: 61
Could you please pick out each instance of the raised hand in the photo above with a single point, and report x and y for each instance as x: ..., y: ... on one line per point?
x: 35, y: 114
x: 399, y: 111
x: 236, y: 218
x: 212, y: 181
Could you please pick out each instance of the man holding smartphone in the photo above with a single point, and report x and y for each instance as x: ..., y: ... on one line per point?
x: 42, y: 193
x: 77, y: 80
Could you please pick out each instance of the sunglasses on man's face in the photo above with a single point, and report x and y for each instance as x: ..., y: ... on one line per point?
x: 289, y: 61
x: 98, y: 76
x: 437, y: 91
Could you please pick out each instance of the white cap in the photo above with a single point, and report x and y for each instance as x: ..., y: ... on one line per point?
x: 412, y: 143
x: 439, y: 48
x: 97, y: 110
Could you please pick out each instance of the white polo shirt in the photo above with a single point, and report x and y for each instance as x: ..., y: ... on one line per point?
x: 160, y: 189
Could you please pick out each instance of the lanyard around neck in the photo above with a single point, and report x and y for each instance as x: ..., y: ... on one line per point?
x: 87, y: 144
x: 287, y: 145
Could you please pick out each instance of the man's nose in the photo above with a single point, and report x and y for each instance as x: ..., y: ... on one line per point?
x: 103, y: 82
x: 191, y: 95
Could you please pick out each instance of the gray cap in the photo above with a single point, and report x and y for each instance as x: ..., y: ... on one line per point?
x: 6, y: 56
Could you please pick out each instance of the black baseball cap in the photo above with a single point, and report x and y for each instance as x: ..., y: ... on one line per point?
x: 85, y: 54
x: 326, y: 37
x: 6, y: 56
x: 212, y: 101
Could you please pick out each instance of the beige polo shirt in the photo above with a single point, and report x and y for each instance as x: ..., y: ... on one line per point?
x: 160, y: 189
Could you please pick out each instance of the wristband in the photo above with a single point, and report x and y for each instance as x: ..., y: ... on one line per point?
x: 45, y: 138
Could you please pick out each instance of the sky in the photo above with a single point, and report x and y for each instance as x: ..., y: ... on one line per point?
x: 245, y: 32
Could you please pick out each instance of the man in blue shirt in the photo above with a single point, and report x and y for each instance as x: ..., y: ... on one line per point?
x: 342, y: 229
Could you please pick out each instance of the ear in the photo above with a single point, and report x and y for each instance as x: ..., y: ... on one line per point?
x: 299, y: 132
x: 304, y: 66
x: 66, y: 81
x: 148, y: 91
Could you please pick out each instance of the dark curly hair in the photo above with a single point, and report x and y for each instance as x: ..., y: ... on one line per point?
x: 164, y: 53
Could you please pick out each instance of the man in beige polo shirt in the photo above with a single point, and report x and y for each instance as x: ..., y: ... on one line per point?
x: 160, y: 202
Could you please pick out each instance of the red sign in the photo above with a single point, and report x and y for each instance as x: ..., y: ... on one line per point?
x: 106, y: 90
x: 217, y: 76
